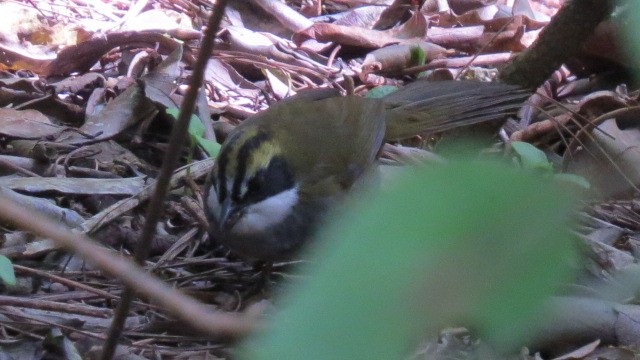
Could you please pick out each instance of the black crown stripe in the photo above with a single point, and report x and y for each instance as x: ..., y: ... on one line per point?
x: 243, y: 157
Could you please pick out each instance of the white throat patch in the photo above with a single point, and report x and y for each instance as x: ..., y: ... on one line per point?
x: 266, y: 213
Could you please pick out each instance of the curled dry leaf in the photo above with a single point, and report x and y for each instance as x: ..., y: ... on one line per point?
x: 81, y: 57
x: 491, y: 17
x: 454, y: 37
x: 226, y: 79
x: 494, y: 35
x: 393, y: 58
x: 125, y: 110
x: 270, y: 47
x: 364, y: 17
x: 413, y: 30
x: 16, y: 59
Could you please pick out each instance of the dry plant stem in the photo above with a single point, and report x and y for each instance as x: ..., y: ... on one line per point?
x: 12, y: 311
x: 464, y: 69
x: 22, y: 332
x: 169, y: 163
x: 585, y: 131
x: 557, y: 42
x: 174, y: 301
x: 11, y: 166
x: 195, y: 169
x: 333, y: 55
x: 466, y: 61
x: 74, y: 284
x: 65, y: 281
x: 55, y: 306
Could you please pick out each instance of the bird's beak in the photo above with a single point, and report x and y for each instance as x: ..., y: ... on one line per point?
x: 229, y: 215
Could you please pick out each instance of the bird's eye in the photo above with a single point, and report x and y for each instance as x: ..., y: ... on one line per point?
x: 254, y: 187
x: 269, y: 181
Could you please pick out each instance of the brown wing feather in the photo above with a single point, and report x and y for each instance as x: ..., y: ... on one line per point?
x: 439, y: 106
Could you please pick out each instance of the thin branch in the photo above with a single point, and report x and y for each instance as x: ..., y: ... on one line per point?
x: 169, y: 163
x: 181, y: 306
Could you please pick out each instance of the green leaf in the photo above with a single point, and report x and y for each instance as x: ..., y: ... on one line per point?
x: 418, y: 56
x: 196, y: 130
x: 211, y: 147
x: 381, y: 91
x: 463, y: 244
x: 531, y: 157
x: 7, y: 275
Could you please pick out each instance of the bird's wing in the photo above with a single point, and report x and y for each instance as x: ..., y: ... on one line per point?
x: 337, y: 138
x: 443, y: 105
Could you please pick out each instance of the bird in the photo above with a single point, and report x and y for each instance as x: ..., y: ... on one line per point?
x: 282, y: 170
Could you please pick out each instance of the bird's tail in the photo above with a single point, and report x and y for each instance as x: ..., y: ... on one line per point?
x: 435, y: 107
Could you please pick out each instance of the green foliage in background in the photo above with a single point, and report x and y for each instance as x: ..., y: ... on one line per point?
x: 7, y: 275
x: 474, y: 244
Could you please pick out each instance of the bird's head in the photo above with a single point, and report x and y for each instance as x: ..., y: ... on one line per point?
x: 252, y: 186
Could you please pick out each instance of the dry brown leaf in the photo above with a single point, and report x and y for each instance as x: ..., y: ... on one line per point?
x: 26, y: 124
x: 393, y: 58
x: 413, y: 30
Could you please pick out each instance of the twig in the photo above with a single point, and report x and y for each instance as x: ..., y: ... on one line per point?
x: 9, y: 165
x: 12, y: 311
x: 91, y: 225
x: 480, y: 60
x: 171, y: 156
x: 55, y: 306
x: 65, y: 281
x: 473, y: 58
x: 175, y: 302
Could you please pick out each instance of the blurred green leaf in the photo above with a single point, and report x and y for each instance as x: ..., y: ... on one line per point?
x: 469, y: 244
x: 531, y: 157
x: 196, y: 130
x: 7, y: 275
